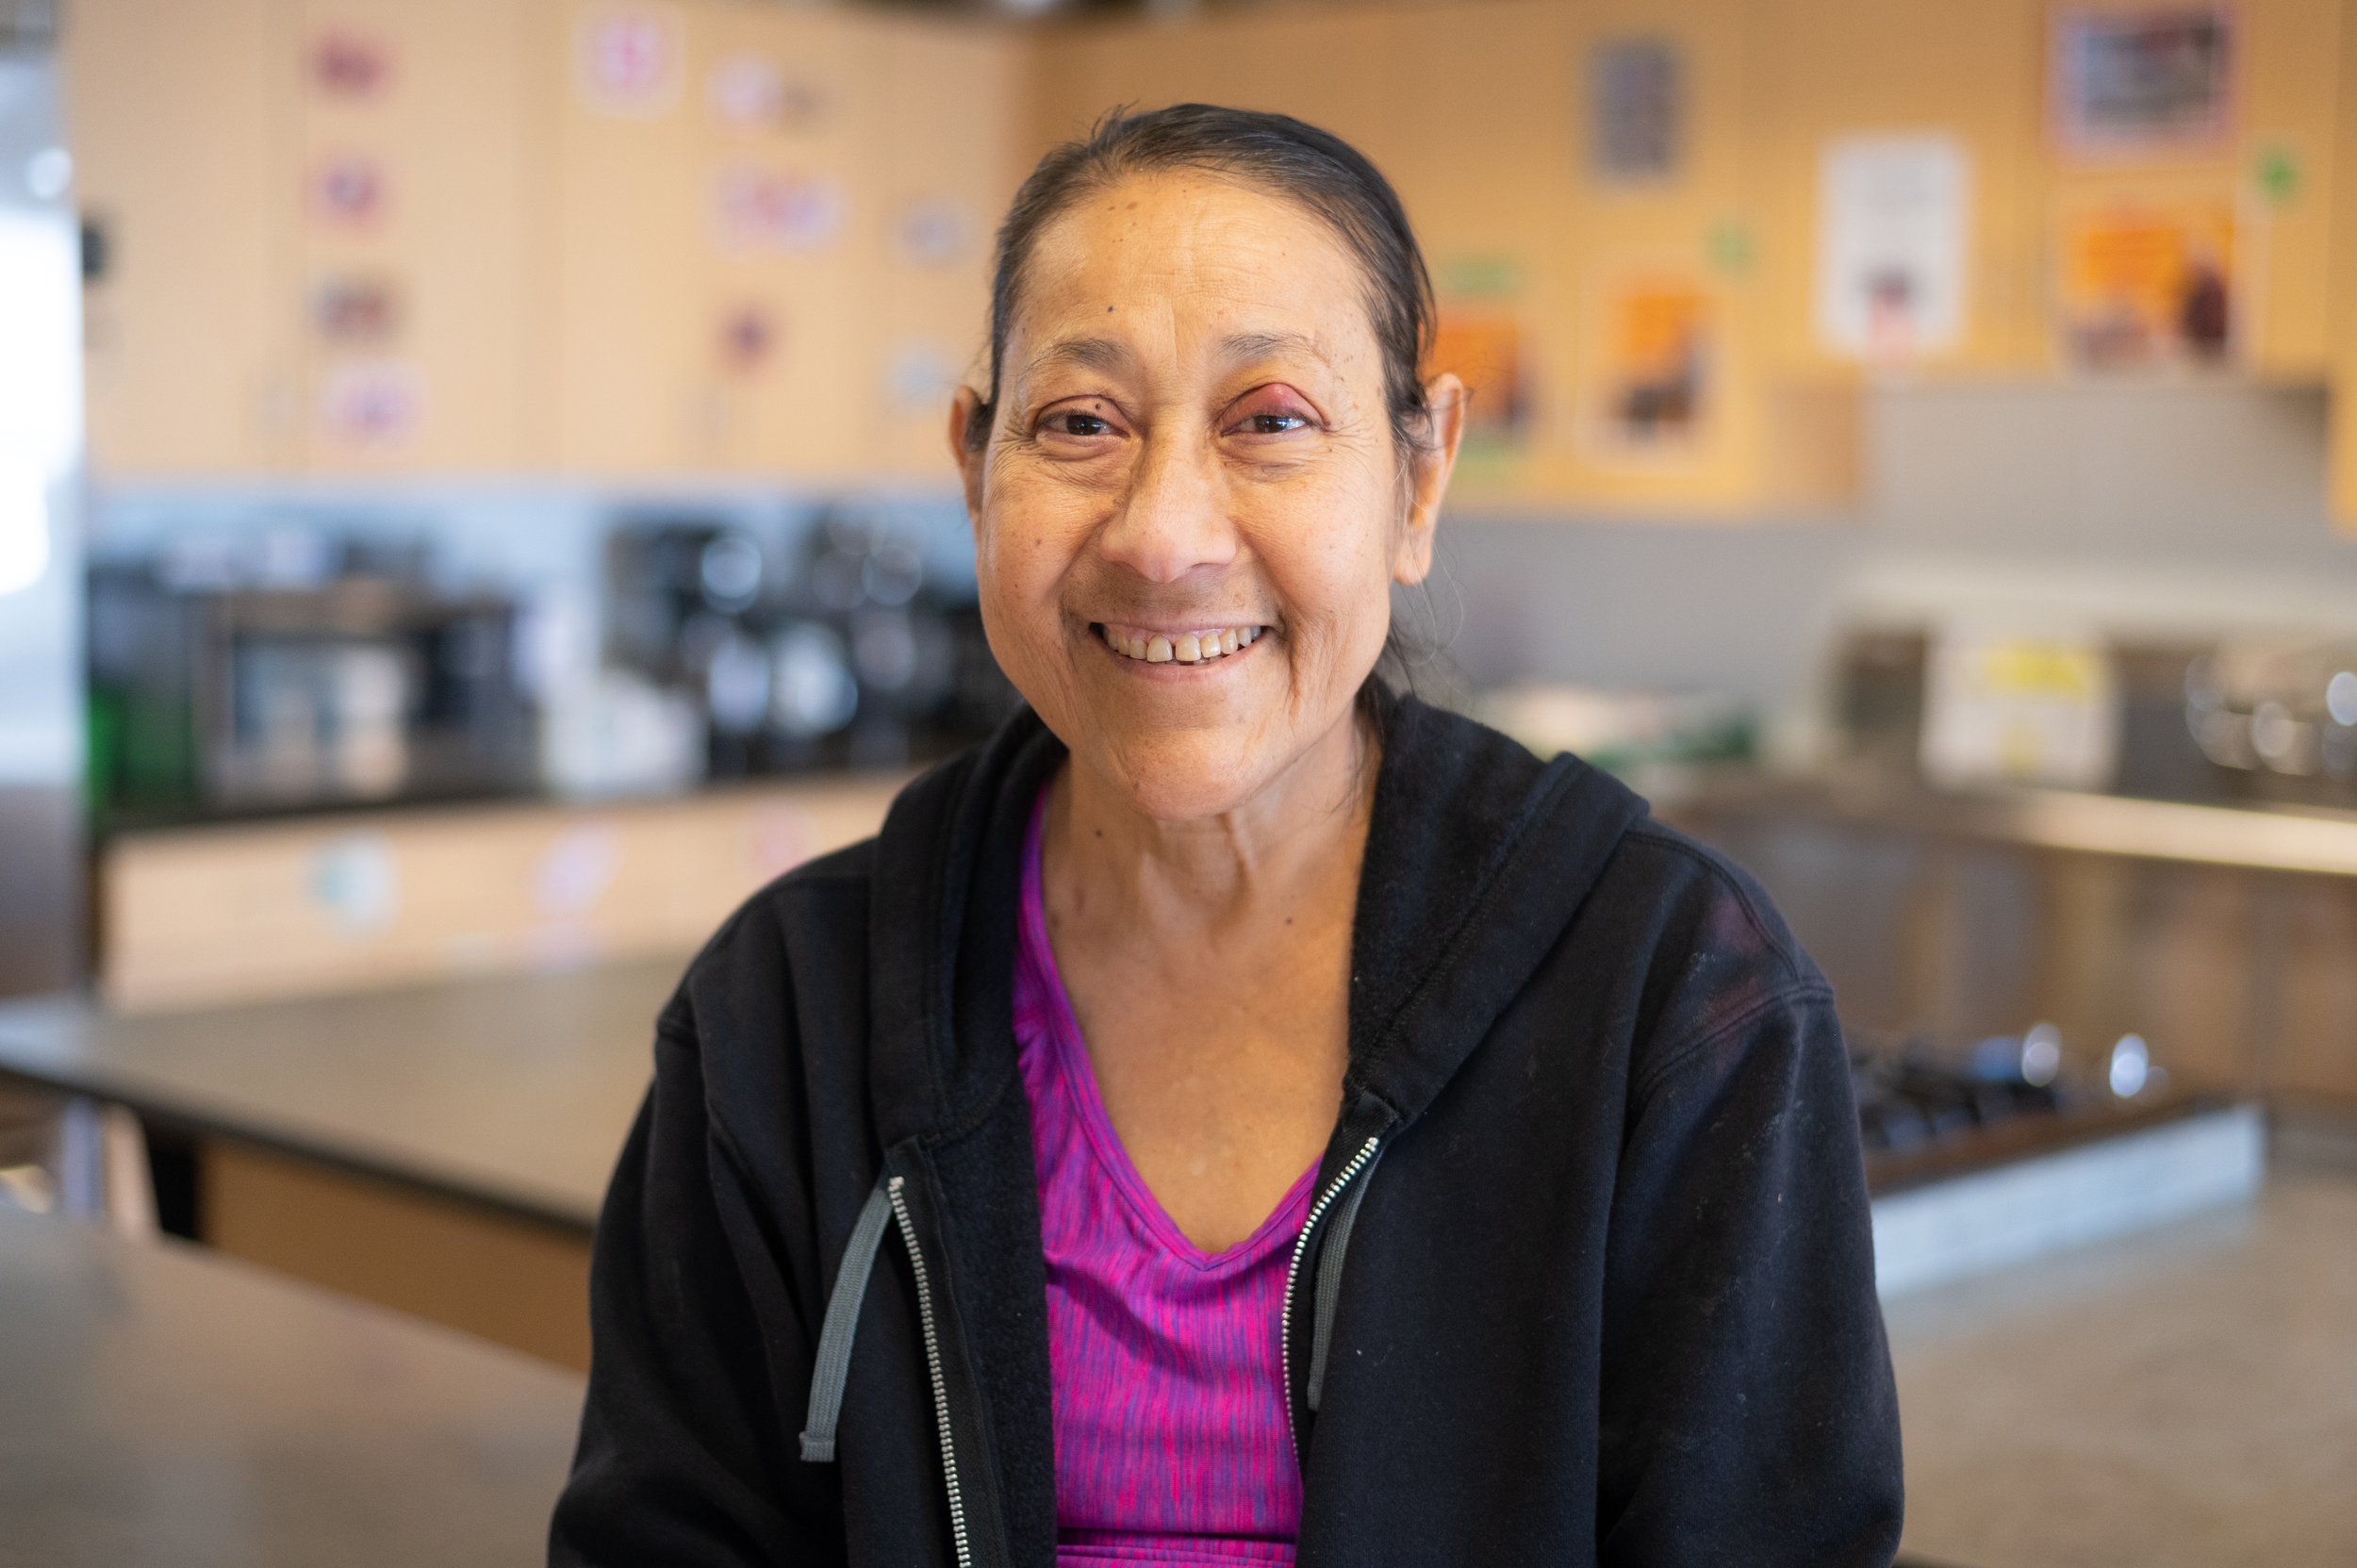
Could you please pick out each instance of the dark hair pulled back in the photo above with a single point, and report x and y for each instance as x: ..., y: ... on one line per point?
x: 1275, y: 153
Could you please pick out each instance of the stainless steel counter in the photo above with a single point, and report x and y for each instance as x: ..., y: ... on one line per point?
x: 2316, y: 842
x: 2223, y: 936
x: 160, y: 1405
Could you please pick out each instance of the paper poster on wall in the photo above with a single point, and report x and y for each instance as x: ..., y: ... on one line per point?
x: 754, y: 92
x: 349, y: 189
x: 2146, y: 283
x: 351, y: 65
x: 356, y: 311
x: 628, y: 60
x: 758, y: 208
x: 1893, y: 220
x: 1484, y: 346
x: 2152, y: 83
x: 376, y: 405
x: 1636, y: 110
x: 749, y: 334
x: 1652, y: 351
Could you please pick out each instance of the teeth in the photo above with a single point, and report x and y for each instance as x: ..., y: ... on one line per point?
x: 1185, y: 648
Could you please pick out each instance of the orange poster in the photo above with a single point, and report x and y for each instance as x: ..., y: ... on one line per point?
x: 1484, y: 346
x: 2148, y: 282
x: 1651, y: 346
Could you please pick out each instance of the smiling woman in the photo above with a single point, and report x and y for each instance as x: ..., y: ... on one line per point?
x: 1116, y: 1023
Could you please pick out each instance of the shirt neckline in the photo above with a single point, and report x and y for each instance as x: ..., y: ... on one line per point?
x: 1068, y: 1055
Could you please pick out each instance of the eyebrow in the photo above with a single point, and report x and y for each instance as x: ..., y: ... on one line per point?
x: 1108, y: 353
x: 1269, y: 345
x: 1089, y: 354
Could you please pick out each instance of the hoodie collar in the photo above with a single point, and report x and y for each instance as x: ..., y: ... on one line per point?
x: 1477, y: 856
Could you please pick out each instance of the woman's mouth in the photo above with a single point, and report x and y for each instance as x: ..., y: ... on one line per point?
x: 1196, y: 647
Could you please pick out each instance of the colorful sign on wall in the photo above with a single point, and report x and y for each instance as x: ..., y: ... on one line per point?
x: 1637, y: 111
x: 753, y: 92
x: 2143, y: 84
x: 761, y: 209
x: 2147, y: 281
x: 350, y: 65
x: 1650, y: 365
x: 1485, y: 346
x: 350, y: 189
x: 628, y: 60
x: 374, y: 405
x: 1893, y: 220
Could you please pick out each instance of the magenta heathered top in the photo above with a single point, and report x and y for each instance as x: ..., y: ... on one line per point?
x: 1171, y: 1442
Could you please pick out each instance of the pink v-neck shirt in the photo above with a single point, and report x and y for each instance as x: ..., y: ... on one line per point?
x: 1172, y: 1442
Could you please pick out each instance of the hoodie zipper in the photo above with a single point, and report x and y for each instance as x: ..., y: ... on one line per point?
x: 1293, y: 1270
x: 932, y: 1366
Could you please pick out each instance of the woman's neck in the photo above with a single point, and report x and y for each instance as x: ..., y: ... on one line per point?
x: 1293, y: 846
x: 1208, y: 964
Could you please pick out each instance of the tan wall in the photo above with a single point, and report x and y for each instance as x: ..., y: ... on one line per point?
x: 568, y: 293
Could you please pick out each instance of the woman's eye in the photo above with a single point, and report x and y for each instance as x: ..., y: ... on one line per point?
x: 1073, y: 421
x: 1270, y: 411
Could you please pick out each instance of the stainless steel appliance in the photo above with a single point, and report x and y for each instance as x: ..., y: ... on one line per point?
x: 830, y: 652
x: 2245, y: 720
x: 369, y: 683
x: 41, y: 459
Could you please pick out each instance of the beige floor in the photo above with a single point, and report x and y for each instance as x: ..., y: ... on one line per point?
x: 2187, y: 1398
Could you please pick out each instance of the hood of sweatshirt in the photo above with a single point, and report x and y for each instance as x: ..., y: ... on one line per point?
x: 1477, y: 857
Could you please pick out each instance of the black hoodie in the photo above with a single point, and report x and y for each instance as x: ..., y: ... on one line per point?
x: 1609, y: 1288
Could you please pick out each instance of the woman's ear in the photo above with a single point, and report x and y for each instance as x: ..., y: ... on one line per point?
x: 1428, y: 472
x: 968, y: 452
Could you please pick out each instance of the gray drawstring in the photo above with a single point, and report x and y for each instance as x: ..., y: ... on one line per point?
x: 834, y: 1364
x: 1329, y: 1286
x: 834, y: 1337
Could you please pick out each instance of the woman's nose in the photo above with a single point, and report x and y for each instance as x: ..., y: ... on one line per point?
x: 1171, y: 521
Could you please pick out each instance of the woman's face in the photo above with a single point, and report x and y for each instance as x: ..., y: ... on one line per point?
x: 1191, y: 509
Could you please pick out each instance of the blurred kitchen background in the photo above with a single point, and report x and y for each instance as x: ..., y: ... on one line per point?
x: 473, y: 506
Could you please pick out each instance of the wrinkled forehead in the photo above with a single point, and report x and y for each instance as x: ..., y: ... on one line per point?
x: 1178, y: 267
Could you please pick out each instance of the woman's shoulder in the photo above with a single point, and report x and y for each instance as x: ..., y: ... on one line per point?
x: 1715, y: 957
x: 1699, y: 897
x: 794, y: 942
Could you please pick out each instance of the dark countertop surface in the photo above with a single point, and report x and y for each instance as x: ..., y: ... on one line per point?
x: 160, y: 1404
x: 2179, y: 1399
x: 2188, y: 1396
x: 2316, y: 841
x: 514, y: 1091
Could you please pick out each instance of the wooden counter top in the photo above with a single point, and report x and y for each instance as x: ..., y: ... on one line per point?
x: 161, y: 1406
x: 2181, y: 1400
x: 514, y: 1092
